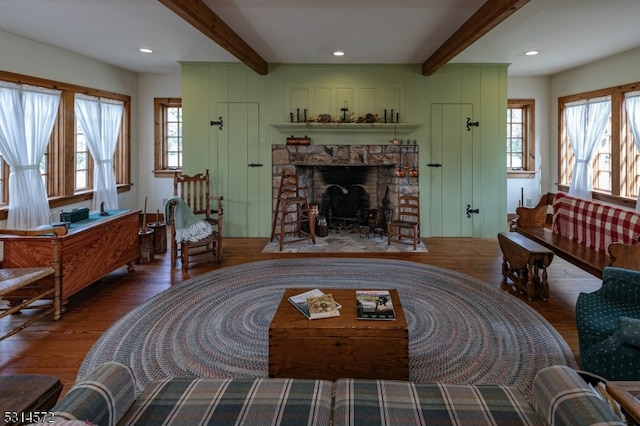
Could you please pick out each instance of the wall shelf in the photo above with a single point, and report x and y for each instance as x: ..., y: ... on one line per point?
x: 346, y: 127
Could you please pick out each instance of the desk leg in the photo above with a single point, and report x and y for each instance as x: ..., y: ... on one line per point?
x: 531, y: 281
x: 545, y: 284
x: 505, y: 274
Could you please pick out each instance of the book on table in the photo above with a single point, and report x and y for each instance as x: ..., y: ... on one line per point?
x: 374, y: 305
x: 314, y: 304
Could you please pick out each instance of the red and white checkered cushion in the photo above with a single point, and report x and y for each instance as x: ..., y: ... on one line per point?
x: 593, y: 224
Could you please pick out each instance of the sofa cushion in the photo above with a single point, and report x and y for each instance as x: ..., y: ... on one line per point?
x: 390, y: 402
x: 232, y: 401
x: 593, y: 224
x: 102, y: 397
x: 629, y: 330
x: 562, y: 397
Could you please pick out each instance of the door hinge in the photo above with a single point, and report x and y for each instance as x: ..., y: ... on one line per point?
x: 217, y: 123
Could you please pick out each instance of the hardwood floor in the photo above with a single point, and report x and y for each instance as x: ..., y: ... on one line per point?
x: 59, y: 347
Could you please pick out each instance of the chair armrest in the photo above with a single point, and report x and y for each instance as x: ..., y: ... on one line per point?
x: 620, y: 284
x: 625, y: 255
x: 57, y: 231
x: 102, y: 397
x: 562, y: 397
x: 535, y: 216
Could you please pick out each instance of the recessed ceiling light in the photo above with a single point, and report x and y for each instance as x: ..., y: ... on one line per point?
x: 531, y: 52
x: 145, y: 50
x: 338, y: 53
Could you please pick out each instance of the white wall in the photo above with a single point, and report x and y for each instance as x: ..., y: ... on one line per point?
x: 154, y: 188
x: 530, y: 189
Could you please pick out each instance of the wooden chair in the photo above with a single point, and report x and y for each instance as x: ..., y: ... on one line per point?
x: 407, y: 222
x: 293, y: 214
x: 194, y: 190
x: 34, y: 283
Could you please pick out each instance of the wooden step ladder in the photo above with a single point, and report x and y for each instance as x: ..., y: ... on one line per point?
x: 293, y: 215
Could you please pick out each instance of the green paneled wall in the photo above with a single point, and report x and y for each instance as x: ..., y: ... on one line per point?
x: 205, y: 86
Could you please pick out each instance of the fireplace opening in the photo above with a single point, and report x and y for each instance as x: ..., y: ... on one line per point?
x: 349, y: 197
x: 352, y: 185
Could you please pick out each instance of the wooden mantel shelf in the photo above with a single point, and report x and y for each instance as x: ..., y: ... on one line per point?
x: 347, y: 127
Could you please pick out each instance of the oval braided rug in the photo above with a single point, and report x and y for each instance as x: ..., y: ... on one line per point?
x: 461, y: 330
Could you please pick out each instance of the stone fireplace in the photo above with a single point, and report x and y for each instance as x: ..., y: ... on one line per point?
x: 349, y: 183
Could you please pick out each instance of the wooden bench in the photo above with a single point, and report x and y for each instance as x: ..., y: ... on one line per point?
x: 587, y: 234
x: 42, y: 282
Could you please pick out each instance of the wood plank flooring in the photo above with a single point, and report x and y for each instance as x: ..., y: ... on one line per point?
x: 58, y: 347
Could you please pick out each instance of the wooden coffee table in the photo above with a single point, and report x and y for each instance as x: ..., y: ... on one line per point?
x: 27, y: 398
x: 343, y: 346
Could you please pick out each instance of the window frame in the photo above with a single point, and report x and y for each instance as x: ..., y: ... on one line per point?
x: 60, y: 166
x: 622, y: 145
x: 528, y: 138
x: 160, y: 106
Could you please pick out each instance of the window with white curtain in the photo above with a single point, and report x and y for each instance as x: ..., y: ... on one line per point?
x: 60, y: 175
x: 615, y: 164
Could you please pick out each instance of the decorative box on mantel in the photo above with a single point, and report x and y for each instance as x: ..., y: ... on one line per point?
x: 298, y: 141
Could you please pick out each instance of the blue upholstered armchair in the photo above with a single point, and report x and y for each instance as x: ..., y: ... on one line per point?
x: 608, y: 322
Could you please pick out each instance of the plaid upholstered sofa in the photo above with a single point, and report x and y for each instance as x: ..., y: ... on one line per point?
x: 107, y: 397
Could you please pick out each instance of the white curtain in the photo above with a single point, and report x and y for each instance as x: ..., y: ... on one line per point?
x: 100, y: 120
x: 632, y: 105
x: 585, y: 122
x: 27, y: 116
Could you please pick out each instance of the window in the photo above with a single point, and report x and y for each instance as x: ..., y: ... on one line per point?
x: 82, y: 161
x: 68, y: 178
x: 520, y: 139
x: 614, y: 166
x: 168, y: 135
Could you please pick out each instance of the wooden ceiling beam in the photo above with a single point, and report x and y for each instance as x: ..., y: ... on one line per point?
x: 490, y: 14
x: 198, y: 14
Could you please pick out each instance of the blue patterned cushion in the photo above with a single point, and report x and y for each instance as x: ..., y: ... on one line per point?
x: 102, y: 397
x: 561, y: 397
x: 233, y: 401
x: 629, y: 331
x: 389, y: 402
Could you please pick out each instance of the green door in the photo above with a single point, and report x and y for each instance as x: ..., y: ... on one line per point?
x: 451, y: 171
x: 239, y: 167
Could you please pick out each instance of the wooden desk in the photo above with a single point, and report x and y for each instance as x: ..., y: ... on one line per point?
x: 343, y: 346
x: 26, y: 398
x: 88, y: 252
x: 522, y: 261
x: 627, y: 394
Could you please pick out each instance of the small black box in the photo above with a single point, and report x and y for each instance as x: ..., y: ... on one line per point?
x: 75, y: 215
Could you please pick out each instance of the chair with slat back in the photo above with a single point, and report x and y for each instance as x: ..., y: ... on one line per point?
x: 194, y: 190
x: 407, y: 222
x: 34, y: 283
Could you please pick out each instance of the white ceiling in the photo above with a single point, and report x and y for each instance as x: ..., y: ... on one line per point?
x: 568, y: 33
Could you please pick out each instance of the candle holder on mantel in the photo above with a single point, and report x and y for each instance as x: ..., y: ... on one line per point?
x: 391, y: 117
x: 345, y: 110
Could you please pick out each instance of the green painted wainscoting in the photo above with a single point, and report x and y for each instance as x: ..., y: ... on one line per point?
x: 257, y: 110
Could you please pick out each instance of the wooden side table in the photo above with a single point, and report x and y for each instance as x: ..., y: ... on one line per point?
x: 523, y: 260
x: 343, y: 346
x: 27, y: 398
x: 627, y: 394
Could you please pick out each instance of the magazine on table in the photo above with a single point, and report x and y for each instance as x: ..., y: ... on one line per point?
x: 374, y: 305
x: 314, y: 304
